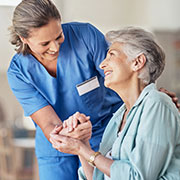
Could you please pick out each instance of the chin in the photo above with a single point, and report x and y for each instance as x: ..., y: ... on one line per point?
x: 51, y: 58
x: 106, y: 84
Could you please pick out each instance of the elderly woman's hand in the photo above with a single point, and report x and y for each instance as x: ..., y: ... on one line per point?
x: 66, y: 144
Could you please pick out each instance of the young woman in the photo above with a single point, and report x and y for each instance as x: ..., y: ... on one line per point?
x: 50, y: 76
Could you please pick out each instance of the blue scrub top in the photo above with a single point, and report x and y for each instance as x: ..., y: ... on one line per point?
x: 80, y: 55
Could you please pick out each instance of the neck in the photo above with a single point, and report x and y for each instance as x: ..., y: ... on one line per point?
x: 130, y: 91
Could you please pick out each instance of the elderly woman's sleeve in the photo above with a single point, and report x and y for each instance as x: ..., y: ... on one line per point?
x: 81, y: 174
x: 156, y: 146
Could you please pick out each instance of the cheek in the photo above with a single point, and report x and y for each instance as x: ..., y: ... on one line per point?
x: 61, y: 41
x: 123, y: 71
x: 38, y: 49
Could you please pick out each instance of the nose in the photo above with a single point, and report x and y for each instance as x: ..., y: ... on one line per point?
x: 54, y: 46
x: 103, y: 64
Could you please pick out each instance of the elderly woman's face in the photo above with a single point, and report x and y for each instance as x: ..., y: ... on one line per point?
x: 117, y: 68
x: 45, y: 41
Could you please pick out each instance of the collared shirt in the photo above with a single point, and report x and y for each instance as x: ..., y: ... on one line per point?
x: 80, y: 55
x: 148, y: 147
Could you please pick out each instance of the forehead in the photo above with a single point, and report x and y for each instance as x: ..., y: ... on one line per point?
x: 47, y: 32
x: 117, y: 46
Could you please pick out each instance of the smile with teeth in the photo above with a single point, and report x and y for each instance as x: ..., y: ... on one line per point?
x: 52, y: 53
x: 107, y: 73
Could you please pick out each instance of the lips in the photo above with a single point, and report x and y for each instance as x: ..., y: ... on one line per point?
x: 106, y: 73
x: 52, y: 53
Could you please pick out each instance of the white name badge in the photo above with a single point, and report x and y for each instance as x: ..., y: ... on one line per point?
x: 88, y: 85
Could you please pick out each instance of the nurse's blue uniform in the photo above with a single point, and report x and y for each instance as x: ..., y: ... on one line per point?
x: 80, y: 55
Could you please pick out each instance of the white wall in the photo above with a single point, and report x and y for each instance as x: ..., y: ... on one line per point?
x: 106, y: 15
x: 6, y: 50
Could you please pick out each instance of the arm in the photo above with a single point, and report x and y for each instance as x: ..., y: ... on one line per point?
x: 83, y: 150
x: 46, y: 118
x: 32, y: 101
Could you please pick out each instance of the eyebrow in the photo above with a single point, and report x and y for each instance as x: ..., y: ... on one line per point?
x: 114, y: 50
x: 56, y: 38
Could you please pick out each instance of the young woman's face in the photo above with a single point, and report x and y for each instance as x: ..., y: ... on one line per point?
x: 45, y: 42
x: 117, y: 68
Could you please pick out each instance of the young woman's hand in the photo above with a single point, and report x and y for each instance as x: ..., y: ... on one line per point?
x: 172, y: 95
x: 72, y: 122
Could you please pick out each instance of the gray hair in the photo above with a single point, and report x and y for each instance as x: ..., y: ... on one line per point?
x: 27, y: 15
x: 137, y: 41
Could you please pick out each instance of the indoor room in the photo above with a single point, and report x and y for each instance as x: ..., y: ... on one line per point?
x: 17, y: 131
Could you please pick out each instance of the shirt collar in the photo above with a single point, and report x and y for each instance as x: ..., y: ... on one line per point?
x: 144, y: 92
x: 119, y: 113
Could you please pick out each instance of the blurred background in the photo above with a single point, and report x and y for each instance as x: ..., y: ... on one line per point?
x: 158, y: 16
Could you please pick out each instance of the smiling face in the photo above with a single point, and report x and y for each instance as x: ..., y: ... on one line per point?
x: 45, y: 42
x: 117, y: 69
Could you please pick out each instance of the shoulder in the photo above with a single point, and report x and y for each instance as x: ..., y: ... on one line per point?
x: 19, y: 65
x: 157, y: 97
x: 16, y: 62
x: 85, y: 30
x: 78, y: 25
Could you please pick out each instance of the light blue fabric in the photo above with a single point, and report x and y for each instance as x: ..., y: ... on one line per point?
x: 148, y: 147
x: 80, y: 55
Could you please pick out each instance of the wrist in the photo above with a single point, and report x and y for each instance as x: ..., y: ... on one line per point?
x: 92, y: 158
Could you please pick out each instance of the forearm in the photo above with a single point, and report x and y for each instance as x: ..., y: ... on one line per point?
x: 101, y: 162
x: 46, y: 118
x: 88, y: 169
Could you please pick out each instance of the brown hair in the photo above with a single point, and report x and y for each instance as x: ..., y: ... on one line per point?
x: 27, y: 15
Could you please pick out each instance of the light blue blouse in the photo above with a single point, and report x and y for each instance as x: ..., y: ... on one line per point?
x: 148, y: 147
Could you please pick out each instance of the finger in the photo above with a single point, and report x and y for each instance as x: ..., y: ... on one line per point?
x: 54, y: 143
x: 81, y: 118
x: 56, y: 129
x: 175, y: 99
x: 70, y: 123
x: 169, y: 93
x: 78, y: 133
x: 65, y: 124
x: 86, y: 125
x: 75, y: 121
x: 60, y: 138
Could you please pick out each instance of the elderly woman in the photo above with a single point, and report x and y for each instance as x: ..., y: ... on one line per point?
x: 142, y: 140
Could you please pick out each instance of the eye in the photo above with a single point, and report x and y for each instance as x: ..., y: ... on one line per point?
x: 60, y: 36
x: 111, y: 53
x: 45, y: 44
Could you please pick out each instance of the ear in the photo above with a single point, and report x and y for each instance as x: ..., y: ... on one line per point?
x: 139, y: 62
x: 24, y: 40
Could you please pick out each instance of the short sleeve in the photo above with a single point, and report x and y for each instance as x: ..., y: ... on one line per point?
x: 96, y: 44
x: 29, y: 97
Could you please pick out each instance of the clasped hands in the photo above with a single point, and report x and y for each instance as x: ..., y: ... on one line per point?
x: 72, y: 134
